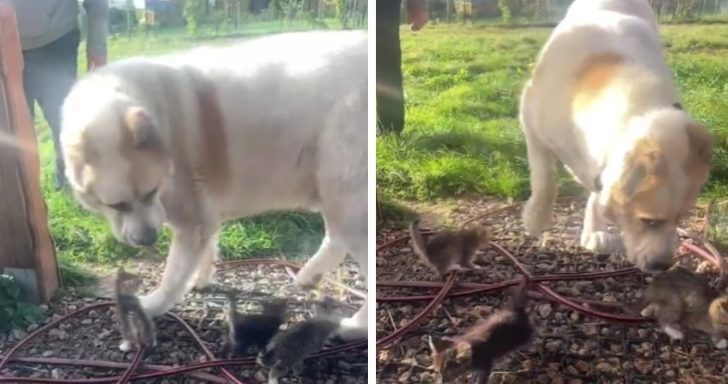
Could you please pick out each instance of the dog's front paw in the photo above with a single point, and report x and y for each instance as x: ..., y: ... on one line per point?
x: 153, y: 305
x: 350, y: 329
x: 306, y: 278
x: 205, y: 278
x: 601, y: 242
x: 537, y: 217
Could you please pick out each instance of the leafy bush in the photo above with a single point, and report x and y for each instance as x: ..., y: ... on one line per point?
x: 13, y: 312
x: 506, y: 8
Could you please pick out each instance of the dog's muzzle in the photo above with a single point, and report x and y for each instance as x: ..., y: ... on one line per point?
x: 143, y: 238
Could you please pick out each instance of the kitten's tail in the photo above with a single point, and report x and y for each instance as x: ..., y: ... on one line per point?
x: 519, y: 297
x: 418, y: 241
x: 265, y: 358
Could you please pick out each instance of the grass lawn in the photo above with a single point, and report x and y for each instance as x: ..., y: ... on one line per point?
x: 462, y: 85
x: 84, y: 242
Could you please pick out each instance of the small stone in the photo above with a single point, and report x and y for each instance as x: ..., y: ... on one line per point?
x: 48, y: 353
x: 58, y: 334
x: 56, y: 373
x: 43, y: 307
x: 104, y: 334
x: 87, y: 322
x: 72, y: 307
x: 582, y: 366
x: 553, y: 345
x: 544, y: 310
x: 405, y: 377
x: 19, y: 334
x: 32, y: 327
x: 604, y: 367
x: 643, y: 366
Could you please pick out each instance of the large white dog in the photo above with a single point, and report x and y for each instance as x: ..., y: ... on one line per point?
x: 602, y: 101
x: 201, y: 137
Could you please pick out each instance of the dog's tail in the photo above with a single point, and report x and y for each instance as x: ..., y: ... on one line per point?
x: 418, y: 241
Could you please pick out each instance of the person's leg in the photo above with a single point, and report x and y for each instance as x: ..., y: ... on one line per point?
x: 54, y: 78
x: 390, y: 94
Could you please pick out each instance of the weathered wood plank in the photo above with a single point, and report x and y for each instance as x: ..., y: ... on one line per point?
x: 28, y: 219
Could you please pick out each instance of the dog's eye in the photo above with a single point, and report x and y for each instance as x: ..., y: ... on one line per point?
x: 121, y: 207
x: 652, y: 223
x: 147, y: 198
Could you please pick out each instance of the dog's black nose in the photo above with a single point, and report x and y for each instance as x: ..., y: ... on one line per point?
x: 144, y: 238
x: 658, y: 265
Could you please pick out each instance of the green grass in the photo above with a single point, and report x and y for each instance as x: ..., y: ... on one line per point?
x: 84, y: 243
x: 462, y: 85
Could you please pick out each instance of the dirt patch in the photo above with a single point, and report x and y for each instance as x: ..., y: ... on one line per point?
x: 570, y: 347
x: 95, y: 336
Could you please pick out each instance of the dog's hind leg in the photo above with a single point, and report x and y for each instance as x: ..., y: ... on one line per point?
x: 188, y: 245
x: 594, y: 234
x: 537, y: 214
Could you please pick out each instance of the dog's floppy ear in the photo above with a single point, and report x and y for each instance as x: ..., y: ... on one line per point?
x: 701, y: 142
x: 644, y: 169
x: 140, y: 126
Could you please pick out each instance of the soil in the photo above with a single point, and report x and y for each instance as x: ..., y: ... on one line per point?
x: 95, y: 336
x: 570, y: 347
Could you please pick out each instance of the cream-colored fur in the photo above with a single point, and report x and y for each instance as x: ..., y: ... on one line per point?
x: 198, y: 138
x: 603, y: 102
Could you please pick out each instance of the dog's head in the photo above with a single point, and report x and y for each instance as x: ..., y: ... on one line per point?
x: 116, y: 163
x: 657, y: 183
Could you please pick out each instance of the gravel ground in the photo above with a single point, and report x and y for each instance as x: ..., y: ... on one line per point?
x: 570, y: 347
x: 95, y: 336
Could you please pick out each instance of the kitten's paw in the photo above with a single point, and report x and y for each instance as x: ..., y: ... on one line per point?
x: 673, y: 332
x: 537, y: 217
x: 350, y: 329
x: 601, y: 242
x: 721, y: 344
x: 125, y: 346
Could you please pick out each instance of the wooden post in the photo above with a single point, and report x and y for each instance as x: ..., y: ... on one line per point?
x: 26, y: 248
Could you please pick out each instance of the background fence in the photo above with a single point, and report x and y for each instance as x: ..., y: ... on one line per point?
x: 130, y: 17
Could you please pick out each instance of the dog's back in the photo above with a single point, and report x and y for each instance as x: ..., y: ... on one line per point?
x: 592, y: 8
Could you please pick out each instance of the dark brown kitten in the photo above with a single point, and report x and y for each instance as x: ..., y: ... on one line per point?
x: 252, y: 330
x: 137, y: 328
x: 679, y: 298
x: 448, y: 251
x: 476, y: 350
x: 289, y: 347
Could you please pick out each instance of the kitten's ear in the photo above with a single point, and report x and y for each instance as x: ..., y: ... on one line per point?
x: 724, y: 308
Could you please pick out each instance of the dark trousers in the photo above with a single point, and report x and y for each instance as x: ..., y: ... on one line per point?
x: 390, y: 95
x: 48, y: 75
